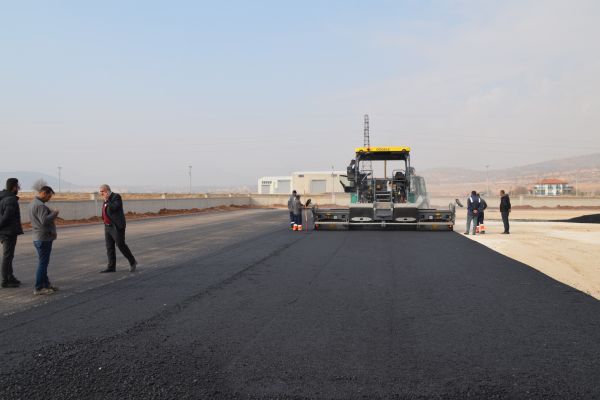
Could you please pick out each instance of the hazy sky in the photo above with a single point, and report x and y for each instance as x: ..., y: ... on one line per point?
x: 132, y: 92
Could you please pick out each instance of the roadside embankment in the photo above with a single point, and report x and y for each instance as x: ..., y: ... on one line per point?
x: 86, y: 209
x: 161, y: 213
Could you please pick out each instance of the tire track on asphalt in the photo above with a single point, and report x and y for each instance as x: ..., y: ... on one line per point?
x: 63, y: 351
x: 219, y: 382
x: 182, y: 247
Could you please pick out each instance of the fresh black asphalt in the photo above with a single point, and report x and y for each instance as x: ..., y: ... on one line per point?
x: 585, y: 219
x: 267, y: 313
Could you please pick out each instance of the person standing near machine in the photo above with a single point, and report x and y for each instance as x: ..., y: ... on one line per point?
x: 480, y: 219
x: 505, y: 210
x: 297, y: 210
x: 291, y: 208
x: 473, y: 208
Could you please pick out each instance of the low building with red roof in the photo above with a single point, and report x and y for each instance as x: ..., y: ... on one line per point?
x: 552, y: 187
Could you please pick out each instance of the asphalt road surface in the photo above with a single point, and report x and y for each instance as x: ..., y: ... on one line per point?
x: 234, y: 305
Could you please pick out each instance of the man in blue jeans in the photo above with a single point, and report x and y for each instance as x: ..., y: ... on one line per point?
x: 44, y: 233
x: 473, y: 210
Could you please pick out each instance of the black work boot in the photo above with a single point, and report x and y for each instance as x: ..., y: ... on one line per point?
x: 13, y: 279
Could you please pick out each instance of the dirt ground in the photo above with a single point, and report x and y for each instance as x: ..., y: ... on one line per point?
x: 567, y: 252
x: 82, y: 196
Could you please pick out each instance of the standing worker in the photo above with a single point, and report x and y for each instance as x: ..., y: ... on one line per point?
x: 114, y: 229
x: 505, y: 210
x: 480, y: 219
x: 10, y: 228
x: 473, y: 208
x: 291, y: 208
x: 44, y: 233
x: 297, y: 209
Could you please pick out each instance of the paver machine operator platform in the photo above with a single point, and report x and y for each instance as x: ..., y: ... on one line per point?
x: 397, y: 199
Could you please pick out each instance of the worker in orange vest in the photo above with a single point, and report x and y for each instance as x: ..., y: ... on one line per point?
x: 297, y: 210
x: 480, y: 219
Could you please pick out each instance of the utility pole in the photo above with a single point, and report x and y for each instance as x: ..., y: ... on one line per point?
x: 190, y: 173
x: 487, y: 179
x: 59, y: 170
x: 332, y: 186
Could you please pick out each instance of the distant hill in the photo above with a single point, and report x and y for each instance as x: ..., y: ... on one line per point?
x: 28, y: 178
x: 583, y: 171
x: 586, y: 168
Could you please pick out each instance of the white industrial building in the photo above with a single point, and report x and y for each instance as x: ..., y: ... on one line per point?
x: 552, y: 187
x: 304, y: 182
x: 275, y: 185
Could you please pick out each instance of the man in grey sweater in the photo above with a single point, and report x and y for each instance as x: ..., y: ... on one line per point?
x: 44, y: 233
x: 297, y: 208
x: 291, y: 208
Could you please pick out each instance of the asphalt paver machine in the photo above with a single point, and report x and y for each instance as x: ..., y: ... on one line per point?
x: 396, y: 199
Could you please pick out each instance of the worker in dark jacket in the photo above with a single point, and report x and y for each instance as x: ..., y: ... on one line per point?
x: 291, y: 208
x: 505, y: 210
x: 480, y: 219
x: 473, y: 210
x: 10, y: 228
x: 297, y: 207
x: 114, y: 229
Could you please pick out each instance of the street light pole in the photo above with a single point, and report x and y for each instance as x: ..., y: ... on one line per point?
x: 59, y: 170
x: 332, y: 186
x: 487, y: 179
x: 190, y: 173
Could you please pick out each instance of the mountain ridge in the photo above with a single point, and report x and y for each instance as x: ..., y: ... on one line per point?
x: 582, y: 168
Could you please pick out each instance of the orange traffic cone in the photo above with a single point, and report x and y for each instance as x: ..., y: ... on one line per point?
x: 295, y: 228
x: 481, y: 228
x: 299, y: 227
x: 477, y: 229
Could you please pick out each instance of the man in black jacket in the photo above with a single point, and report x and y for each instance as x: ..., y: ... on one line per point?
x: 114, y: 229
x: 505, y: 210
x: 10, y: 228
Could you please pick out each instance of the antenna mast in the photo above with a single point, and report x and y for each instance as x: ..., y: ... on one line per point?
x: 367, y: 165
x: 367, y: 141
